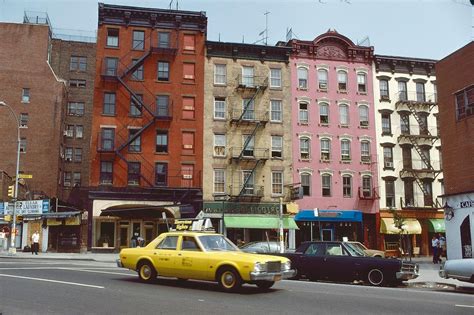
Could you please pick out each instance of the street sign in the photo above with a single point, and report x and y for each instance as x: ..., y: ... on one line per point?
x: 25, y: 207
x: 25, y: 176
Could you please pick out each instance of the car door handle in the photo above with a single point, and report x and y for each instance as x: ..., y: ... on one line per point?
x: 179, y: 254
x: 325, y: 259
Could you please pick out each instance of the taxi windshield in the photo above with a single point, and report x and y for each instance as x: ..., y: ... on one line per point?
x: 217, y: 243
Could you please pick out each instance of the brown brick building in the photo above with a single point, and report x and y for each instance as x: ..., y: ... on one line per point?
x: 456, y: 117
x: 147, y: 125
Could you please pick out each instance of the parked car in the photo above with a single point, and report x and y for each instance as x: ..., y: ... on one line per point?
x: 262, y: 247
x: 204, y: 256
x: 369, y: 252
x: 461, y: 269
x: 342, y: 261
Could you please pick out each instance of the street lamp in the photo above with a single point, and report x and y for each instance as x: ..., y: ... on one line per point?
x: 15, y: 194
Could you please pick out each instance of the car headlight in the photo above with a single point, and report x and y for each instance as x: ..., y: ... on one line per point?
x: 259, y: 267
x: 286, y: 265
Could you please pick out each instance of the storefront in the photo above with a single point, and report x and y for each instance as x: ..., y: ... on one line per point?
x: 459, y: 214
x: 409, y: 236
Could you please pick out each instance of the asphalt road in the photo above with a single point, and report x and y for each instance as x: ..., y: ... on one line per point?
x: 75, y: 287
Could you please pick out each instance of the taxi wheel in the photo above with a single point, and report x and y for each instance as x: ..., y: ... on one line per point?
x: 146, y: 272
x: 265, y: 285
x: 229, y: 279
x: 375, y: 277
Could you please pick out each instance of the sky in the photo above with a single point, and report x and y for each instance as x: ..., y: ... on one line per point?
x: 411, y: 28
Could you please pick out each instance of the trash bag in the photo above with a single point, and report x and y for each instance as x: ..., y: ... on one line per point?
x: 27, y: 249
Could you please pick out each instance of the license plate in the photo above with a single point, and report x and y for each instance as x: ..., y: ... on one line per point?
x: 277, y: 278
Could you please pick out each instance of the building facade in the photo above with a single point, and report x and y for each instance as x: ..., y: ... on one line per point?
x: 247, y: 139
x: 410, y: 171
x: 147, y: 128
x: 456, y: 118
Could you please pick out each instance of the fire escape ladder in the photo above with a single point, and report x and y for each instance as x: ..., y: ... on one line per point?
x: 244, y: 185
x: 249, y: 138
x: 134, y: 66
x: 140, y: 104
x: 421, y: 123
x: 135, y: 135
x: 252, y: 99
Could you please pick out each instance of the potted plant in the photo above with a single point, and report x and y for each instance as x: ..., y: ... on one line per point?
x: 104, y: 240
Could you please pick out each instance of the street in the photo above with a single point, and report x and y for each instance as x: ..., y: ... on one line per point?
x: 80, y: 287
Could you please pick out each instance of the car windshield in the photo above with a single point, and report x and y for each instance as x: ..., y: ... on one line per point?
x: 217, y: 243
x: 359, y: 246
x: 354, y: 250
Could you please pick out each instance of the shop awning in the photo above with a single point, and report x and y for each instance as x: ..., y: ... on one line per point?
x: 51, y: 215
x: 436, y: 225
x: 255, y: 222
x: 145, y: 211
x: 330, y: 216
x: 411, y: 226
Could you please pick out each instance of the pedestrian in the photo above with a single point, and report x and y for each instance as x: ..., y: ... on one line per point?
x: 134, y: 239
x: 434, y: 246
x: 35, y: 243
x: 442, y: 245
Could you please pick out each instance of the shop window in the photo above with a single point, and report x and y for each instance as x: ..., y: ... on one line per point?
x: 106, y: 234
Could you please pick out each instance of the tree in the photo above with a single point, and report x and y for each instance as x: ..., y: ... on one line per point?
x: 399, y: 223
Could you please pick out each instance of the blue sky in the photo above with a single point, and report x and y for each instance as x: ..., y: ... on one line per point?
x: 411, y: 28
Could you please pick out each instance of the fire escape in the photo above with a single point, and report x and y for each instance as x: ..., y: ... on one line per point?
x: 418, y: 105
x: 248, y: 156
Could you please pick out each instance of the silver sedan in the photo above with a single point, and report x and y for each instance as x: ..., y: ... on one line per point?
x: 461, y: 269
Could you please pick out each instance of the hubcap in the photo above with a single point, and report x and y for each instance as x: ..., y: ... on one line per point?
x: 375, y: 277
x: 228, y: 279
x: 145, y: 272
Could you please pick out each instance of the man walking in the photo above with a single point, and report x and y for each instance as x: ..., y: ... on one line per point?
x: 434, y: 246
x: 35, y: 243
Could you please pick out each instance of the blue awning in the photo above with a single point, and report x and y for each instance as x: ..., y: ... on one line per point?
x: 330, y: 216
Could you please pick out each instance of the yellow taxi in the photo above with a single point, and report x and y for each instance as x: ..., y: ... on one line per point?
x: 204, y: 256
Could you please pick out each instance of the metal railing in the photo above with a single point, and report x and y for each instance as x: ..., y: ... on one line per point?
x: 252, y: 81
x: 249, y: 153
x: 250, y: 115
x: 419, y: 97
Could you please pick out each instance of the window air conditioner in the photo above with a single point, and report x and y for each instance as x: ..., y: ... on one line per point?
x: 187, y: 176
x: 323, y: 85
x: 188, y: 146
x: 68, y: 159
x: 389, y: 164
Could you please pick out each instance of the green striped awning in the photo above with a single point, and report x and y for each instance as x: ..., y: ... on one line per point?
x: 257, y: 222
x: 436, y: 225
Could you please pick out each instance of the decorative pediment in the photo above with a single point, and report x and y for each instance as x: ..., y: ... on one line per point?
x: 330, y: 52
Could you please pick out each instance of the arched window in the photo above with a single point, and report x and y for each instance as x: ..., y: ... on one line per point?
x: 302, y: 78
x: 303, y: 113
x: 324, y: 113
x: 323, y: 79
x: 345, y: 150
x: 325, y: 149
x: 326, y: 185
x: 347, y: 186
x: 304, y: 148
x: 343, y: 115
x: 306, y: 183
x: 361, y: 82
x: 365, y: 151
x: 342, y: 81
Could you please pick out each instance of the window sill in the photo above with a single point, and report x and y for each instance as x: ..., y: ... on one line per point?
x: 188, y: 52
x: 276, y: 158
x: 135, y: 116
x: 387, y: 100
x: 343, y: 126
x: 363, y: 127
x: 276, y: 88
x: 325, y: 161
x: 342, y: 92
x: 112, y: 47
x: 345, y: 162
x: 25, y: 102
x: 220, y: 84
x: 323, y: 124
x: 366, y: 162
x: 108, y: 115
x: 362, y: 93
x: 163, y: 81
x: 188, y: 83
x: 389, y: 169
x: 304, y: 160
x: 303, y: 124
x: 323, y: 90
x: 161, y: 153
x: 279, y: 122
x: 188, y: 154
x: 220, y: 156
x: 387, y: 134
x: 220, y: 119
x: 189, y: 119
x: 302, y: 89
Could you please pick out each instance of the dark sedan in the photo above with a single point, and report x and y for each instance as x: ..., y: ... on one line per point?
x: 340, y: 261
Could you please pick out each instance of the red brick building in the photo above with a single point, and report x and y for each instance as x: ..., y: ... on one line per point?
x: 147, y: 121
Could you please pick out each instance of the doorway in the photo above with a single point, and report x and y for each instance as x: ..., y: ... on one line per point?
x: 327, y: 234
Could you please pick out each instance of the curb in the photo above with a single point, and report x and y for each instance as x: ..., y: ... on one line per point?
x: 441, y: 285
x: 56, y: 258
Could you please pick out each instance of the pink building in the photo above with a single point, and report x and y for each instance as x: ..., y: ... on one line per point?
x: 334, y: 140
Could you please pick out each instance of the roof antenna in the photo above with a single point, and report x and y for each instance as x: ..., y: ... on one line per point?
x: 171, y: 3
x: 266, y: 27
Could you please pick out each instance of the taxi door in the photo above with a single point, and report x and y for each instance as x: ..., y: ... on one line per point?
x: 193, y: 262
x: 165, y: 256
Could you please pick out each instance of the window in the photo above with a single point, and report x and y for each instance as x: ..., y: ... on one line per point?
x: 170, y: 242
x: 302, y: 78
x: 78, y: 155
x: 23, y: 120
x: 137, y: 74
x: 342, y: 81
x: 303, y: 113
x: 248, y: 106
x: 420, y: 92
x: 187, y: 172
x: 345, y: 150
x: 109, y: 104
x: 344, y: 115
x: 75, y: 109
x: 361, y: 82
x: 111, y: 66
x: 248, y: 180
x: 67, y: 179
x: 106, y: 172
x: 107, y: 139
x: 277, y: 146
x: 23, y: 145
x: 428, y: 193
x: 136, y: 102
x: 426, y: 161
x: 405, y: 124
x: 347, y: 186
x: 188, y: 108
x: 161, y: 174
x: 365, y: 151
x: 68, y: 154
x: 460, y: 105
x: 133, y: 174
x: 275, y: 78
x: 388, y: 157
x: 306, y: 183
x: 163, y: 71
x: 219, y: 145
x: 304, y: 148
x: 189, y: 42
x: 325, y: 149
x: 161, y: 141
x: 79, y: 132
x: 277, y: 183
x: 389, y: 193
x: 135, y: 144
x: 188, y: 143
x: 69, y: 131
x: 386, y: 124
x: 402, y: 91
x: 326, y: 185
x: 77, y: 83
x: 363, y: 116
x: 188, y: 71
x: 220, y: 74
x: 162, y: 106
x: 25, y: 95
x: 408, y: 187
x: 78, y: 63
x: 248, y: 145
x: 423, y: 123
x: 219, y: 181
x: 248, y: 76
x: 323, y: 79
x: 275, y: 110
x: 219, y: 108
x: 163, y: 39
x: 138, y: 40
x: 384, y: 93
x: 112, y: 37
x: 76, y: 179
x: 324, y: 113
x: 367, y: 186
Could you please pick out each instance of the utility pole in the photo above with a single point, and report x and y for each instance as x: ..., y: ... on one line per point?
x: 280, y: 230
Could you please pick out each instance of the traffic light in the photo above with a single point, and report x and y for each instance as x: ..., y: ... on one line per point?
x: 11, y: 191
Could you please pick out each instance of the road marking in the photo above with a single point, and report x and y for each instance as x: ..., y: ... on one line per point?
x: 460, y: 305
x: 94, y: 271
x: 54, y: 281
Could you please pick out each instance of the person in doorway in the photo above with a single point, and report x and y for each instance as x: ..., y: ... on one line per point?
x: 435, y: 247
x: 35, y: 243
x: 134, y: 239
x: 442, y: 246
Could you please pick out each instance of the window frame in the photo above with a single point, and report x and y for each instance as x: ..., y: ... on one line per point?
x: 323, y: 84
x: 160, y: 135
x: 276, y: 150
x: 346, y: 186
x: 222, y: 101
x: 364, y: 113
x: 322, y: 115
x: 305, y: 148
x: 303, y: 112
x: 275, y: 79
x: 342, y: 84
x: 277, y: 183
x: 302, y: 77
x: 218, y: 77
x: 220, y: 143
x: 163, y: 71
x: 219, y: 180
x: 305, y: 179
x: 345, y: 150
x: 276, y: 110
x: 362, y: 82
x: 112, y: 40
x: 326, y: 185
x: 138, y: 44
x: 163, y: 174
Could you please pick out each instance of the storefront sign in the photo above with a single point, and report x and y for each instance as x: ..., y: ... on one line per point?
x: 25, y: 207
x: 466, y: 204
x: 183, y: 225
x: 54, y: 222
x: 241, y: 208
x: 72, y: 221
